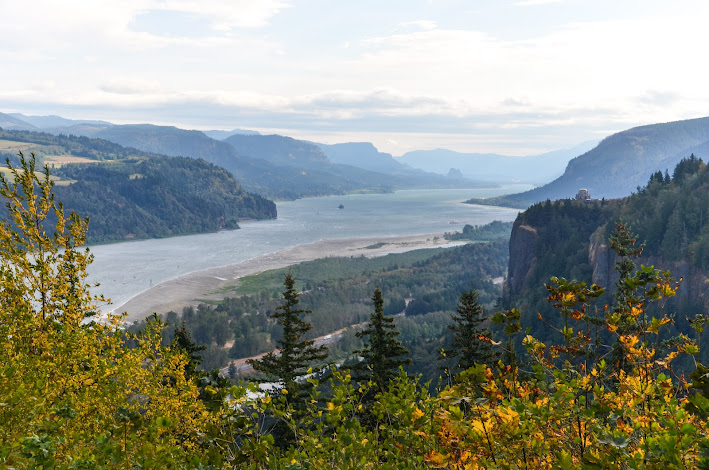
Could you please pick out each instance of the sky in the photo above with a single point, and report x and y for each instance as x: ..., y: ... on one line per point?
x: 517, y: 77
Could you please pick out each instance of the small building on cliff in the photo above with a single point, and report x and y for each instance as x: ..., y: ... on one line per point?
x: 583, y: 195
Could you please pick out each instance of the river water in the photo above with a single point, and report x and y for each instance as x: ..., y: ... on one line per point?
x: 129, y: 268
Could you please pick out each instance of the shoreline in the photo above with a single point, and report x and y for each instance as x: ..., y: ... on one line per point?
x: 212, y: 284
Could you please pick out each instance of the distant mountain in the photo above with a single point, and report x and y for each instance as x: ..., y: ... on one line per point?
x: 279, y: 150
x: 168, y: 140
x: 363, y: 155
x: 47, y: 122
x: 353, y: 166
x: 8, y: 121
x: 536, y: 169
x: 622, y: 162
x: 221, y: 135
x: 256, y: 174
x: 86, y: 129
x: 271, y: 165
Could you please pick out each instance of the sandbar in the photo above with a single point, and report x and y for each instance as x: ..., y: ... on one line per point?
x: 212, y: 284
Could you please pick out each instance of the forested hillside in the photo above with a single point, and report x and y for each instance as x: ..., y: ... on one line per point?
x: 44, y: 145
x: 129, y: 193
x: 570, y: 239
x: 621, y: 162
x: 158, y: 197
x: 258, y: 174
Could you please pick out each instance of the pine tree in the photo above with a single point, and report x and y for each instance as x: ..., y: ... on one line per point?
x: 623, y: 242
x: 183, y: 341
x: 472, y: 342
x: 295, y: 354
x: 382, y: 353
x: 213, y: 389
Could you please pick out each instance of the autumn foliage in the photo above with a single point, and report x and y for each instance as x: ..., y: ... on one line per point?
x: 76, y: 391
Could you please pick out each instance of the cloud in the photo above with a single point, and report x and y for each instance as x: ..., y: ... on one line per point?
x: 517, y: 102
x: 529, y: 3
x: 52, y: 26
x: 374, y: 100
x: 226, y: 15
x: 658, y: 98
x: 425, y: 25
x: 448, y: 76
x: 130, y: 86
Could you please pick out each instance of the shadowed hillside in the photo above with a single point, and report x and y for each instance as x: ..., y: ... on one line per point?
x: 621, y: 163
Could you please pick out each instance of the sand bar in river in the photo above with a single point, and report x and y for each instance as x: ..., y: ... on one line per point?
x: 210, y: 284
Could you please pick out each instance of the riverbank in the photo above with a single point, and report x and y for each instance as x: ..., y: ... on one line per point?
x: 214, y: 284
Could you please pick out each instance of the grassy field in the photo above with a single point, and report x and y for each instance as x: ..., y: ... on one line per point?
x: 59, y: 160
x: 46, y: 155
x: 57, y: 180
x: 14, y: 145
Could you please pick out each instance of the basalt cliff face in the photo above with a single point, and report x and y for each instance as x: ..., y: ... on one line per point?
x: 522, y: 260
x: 693, y: 281
x: 602, y: 260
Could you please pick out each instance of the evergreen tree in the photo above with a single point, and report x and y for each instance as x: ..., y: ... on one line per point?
x: 687, y: 167
x: 183, y: 341
x: 472, y: 342
x: 295, y: 354
x: 623, y: 242
x: 213, y: 389
x: 382, y: 353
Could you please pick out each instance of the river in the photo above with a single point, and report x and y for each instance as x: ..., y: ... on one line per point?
x: 126, y: 269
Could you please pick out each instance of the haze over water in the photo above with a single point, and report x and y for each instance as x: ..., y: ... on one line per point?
x: 126, y: 269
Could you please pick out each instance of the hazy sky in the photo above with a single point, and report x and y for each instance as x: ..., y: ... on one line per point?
x: 517, y: 77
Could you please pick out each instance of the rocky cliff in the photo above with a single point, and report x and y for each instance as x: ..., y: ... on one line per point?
x: 692, y: 279
x: 522, y: 259
x: 602, y: 261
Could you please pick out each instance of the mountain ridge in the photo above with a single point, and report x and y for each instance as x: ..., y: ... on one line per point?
x: 621, y: 162
x: 534, y: 169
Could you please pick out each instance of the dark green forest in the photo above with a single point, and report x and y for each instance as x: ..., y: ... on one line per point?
x: 128, y: 193
x: 338, y: 291
x: 157, y: 197
x: 667, y: 218
x: 44, y: 144
x: 488, y: 232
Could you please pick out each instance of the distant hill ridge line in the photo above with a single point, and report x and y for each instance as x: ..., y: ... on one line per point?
x: 621, y: 162
x: 361, y: 155
x: 284, y: 167
x: 274, y: 166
